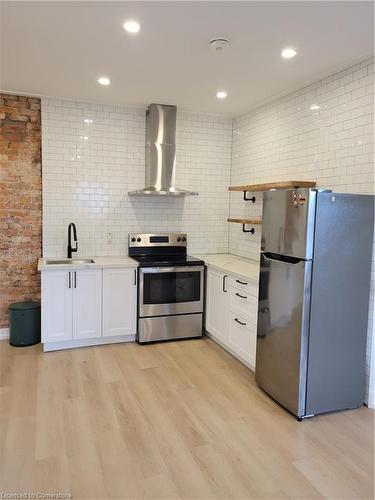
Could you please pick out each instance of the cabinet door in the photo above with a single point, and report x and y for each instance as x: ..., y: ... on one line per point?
x: 242, y: 337
x: 57, y: 303
x: 217, y: 305
x: 87, y: 303
x: 119, y: 302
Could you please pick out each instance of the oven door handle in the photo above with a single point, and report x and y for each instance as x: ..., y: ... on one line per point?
x: 177, y: 269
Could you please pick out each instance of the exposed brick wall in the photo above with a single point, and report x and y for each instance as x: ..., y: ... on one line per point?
x: 20, y: 200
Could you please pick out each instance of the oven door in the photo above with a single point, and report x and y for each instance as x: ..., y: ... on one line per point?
x: 170, y: 290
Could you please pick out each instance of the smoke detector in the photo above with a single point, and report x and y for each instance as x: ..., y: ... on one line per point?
x: 219, y: 44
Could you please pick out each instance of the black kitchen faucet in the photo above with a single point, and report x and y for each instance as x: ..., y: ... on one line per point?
x: 70, y: 249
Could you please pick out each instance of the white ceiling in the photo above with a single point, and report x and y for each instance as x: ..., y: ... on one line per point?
x: 60, y: 49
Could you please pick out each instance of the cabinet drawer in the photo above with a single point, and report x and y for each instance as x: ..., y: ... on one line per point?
x: 242, y: 337
x: 243, y: 302
x: 246, y: 286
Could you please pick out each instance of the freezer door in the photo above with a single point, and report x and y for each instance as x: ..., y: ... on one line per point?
x: 288, y: 222
x: 283, y: 327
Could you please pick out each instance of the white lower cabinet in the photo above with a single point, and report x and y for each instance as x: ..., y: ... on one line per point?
x: 57, y: 306
x: 231, y: 314
x: 119, y: 302
x: 88, y: 306
x: 242, y: 340
x: 87, y: 303
x: 217, y: 304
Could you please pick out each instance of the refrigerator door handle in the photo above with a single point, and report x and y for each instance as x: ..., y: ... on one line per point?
x: 282, y: 258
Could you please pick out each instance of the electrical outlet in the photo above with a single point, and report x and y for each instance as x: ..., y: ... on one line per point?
x: 109, y: 237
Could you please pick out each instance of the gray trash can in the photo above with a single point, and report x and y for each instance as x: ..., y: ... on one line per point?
x: 24, y: 323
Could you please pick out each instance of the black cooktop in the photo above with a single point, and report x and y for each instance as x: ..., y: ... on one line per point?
x: 167, y: 260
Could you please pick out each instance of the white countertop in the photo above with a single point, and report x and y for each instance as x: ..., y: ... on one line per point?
x: 99, y: 262
x: 232, y: 264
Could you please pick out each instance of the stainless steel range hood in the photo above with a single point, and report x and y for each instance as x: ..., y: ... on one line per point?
x: 161, y: 153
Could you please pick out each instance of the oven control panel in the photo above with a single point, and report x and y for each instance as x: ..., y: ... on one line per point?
x: 157, y: 240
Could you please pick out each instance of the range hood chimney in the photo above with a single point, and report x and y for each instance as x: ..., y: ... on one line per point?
x: 161, y: 153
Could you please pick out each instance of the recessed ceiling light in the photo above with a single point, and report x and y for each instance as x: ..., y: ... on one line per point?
x: 221, y: 94
x: 132, y: 26
x: 103, y: 80
x: 87, y: 120
x: 314, y: 107
x: 288, y: 53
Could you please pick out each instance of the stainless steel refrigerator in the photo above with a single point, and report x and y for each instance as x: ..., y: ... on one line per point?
x: 313, y: 299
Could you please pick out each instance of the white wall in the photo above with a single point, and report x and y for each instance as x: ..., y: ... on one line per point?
x: 88, y: 169
x: 286, y: 140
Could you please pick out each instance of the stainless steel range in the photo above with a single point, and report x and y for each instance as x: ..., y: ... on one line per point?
x: 170, y: 287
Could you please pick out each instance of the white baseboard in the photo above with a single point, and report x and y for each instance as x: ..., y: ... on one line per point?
x: 371, y: 400
x: 72, y: 344
x: 4, y: 333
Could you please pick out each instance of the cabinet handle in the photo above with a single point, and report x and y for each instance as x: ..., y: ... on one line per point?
x: 241, y: 282
x: 225, y: 283
x: 242, y: 296
x: 75, y: 279
x: 240, y: 322
x: 135, y: 277
x: 69, y: 280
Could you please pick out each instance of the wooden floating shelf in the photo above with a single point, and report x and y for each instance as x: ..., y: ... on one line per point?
x: 246, y: 221
x: 273, y: 185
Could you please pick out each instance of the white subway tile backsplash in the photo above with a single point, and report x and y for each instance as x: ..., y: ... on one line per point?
x: 93, y: 154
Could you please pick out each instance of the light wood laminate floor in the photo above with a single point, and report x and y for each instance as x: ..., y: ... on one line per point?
x: 169, y: 420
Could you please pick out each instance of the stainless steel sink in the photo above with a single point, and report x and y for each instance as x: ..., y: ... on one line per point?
x: 69, y: 261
